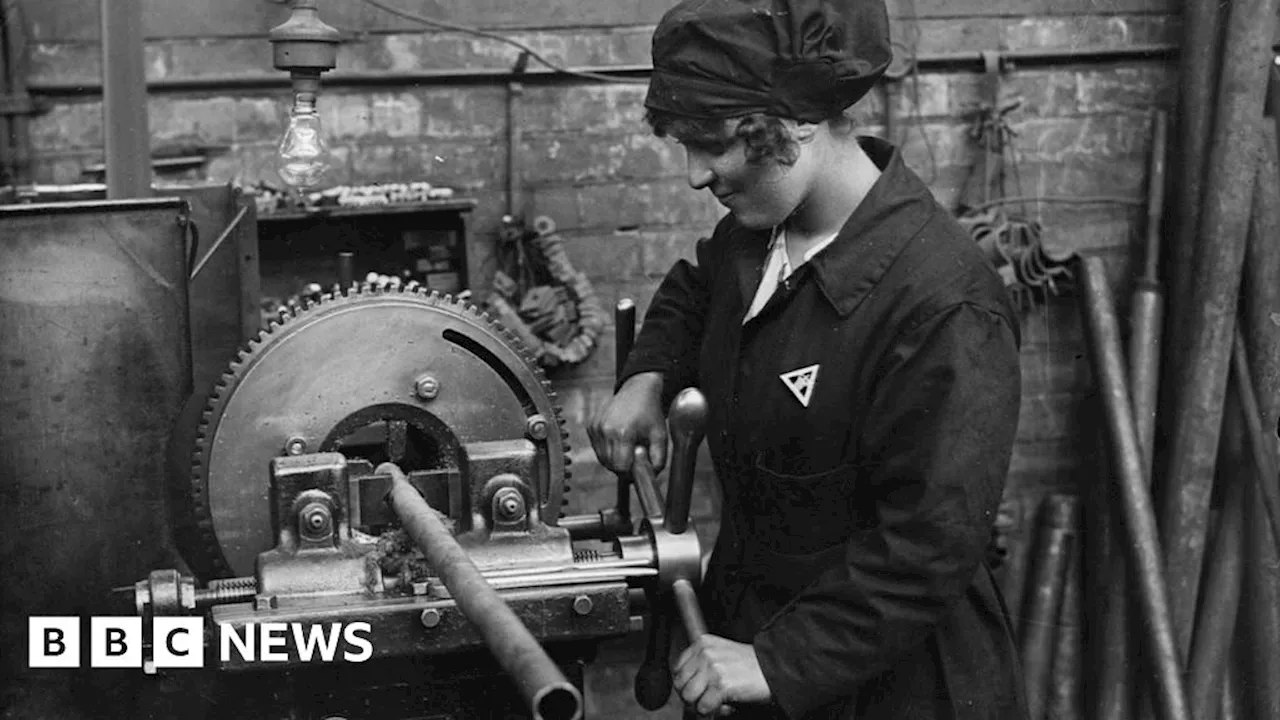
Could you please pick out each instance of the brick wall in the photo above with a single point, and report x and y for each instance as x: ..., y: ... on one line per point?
x: 617, y: 194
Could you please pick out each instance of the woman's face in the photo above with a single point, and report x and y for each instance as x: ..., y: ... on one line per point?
x: 760, y: 194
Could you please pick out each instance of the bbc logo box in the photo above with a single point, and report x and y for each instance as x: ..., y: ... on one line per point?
x: 114, y: 642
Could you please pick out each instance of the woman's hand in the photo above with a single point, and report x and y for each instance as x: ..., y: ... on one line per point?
x: 633, y: 417
x: 714, y: 672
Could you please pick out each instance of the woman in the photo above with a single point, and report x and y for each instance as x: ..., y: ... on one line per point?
x: 861, y: 362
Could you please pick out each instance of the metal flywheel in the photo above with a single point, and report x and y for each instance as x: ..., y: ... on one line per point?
x: 414, y: 375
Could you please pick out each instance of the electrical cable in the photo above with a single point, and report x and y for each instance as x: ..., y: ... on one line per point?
x: 534, y: 54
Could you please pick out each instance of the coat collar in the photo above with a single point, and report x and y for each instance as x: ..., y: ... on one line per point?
x: 888, y: 218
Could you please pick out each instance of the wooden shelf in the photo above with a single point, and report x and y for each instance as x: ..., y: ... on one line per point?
x: 328, y: 211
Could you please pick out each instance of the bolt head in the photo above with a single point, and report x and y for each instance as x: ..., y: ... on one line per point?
x: 427, y: 387
x: 537, y: 427
x: 582, y: 605
x: 295, y: 446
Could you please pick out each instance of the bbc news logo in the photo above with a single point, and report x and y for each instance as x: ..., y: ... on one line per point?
x: 179, y: 642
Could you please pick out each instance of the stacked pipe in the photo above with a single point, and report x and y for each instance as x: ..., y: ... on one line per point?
x: 1197, y: 517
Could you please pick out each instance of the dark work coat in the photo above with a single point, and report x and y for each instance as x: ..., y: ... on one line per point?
x: 851, y: 548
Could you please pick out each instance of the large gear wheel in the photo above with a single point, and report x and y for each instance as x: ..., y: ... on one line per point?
x: 352, y: 360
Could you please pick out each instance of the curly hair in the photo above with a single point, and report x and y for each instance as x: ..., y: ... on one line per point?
x: 765, y: 136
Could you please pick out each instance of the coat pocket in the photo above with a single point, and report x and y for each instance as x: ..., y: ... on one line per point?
x: 802, y: 514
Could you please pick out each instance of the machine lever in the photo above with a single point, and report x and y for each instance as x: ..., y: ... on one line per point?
x: 687, y: 421
x: 542, y: 684
x: 625, y: 335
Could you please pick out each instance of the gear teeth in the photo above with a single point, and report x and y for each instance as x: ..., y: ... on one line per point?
x: 205, y: 539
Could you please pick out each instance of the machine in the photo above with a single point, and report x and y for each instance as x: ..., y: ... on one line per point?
x: 394, y: 461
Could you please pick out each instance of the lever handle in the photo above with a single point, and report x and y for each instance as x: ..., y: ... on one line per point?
x: 624, y: 324
x: 687, y: 421
x: 653, y: 679
x: 646, y: 480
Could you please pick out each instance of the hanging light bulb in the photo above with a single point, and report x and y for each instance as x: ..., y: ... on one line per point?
x: 305, y: 47
x: 303, y: 160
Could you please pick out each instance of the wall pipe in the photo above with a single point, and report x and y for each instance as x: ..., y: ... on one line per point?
x: 1213, y: 295
x: 969, y: 60
x: 126, y: 139
x: 15, y: 45
x: 1141, y: 538
x: 1260, y: 299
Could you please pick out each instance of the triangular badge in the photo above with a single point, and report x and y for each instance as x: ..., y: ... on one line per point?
x: 800, y: 382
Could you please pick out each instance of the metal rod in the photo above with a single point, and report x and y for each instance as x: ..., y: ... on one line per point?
x: 15, y: 40
x: 226, y: 232
x: 1113, y: 684
x: 688, y: 419
x: 1202, y: 30
x: 1260, y: 298
x: 972, y: 60
x: 624, y: 327
x: 1066, y: 699
x: 1045, y: 602
x: 1214, y: 293
x: 606, y: 524
x: 1141, y: 539
x: 646, y: 485
x: 542, y: 684
x: 690, y: 612
x: 1262, y: 446
x: 1216, y: 621
x: 1148, y: 304
x: 127, y: 141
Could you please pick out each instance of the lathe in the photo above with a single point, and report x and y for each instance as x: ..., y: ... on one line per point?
x: 393, y: 461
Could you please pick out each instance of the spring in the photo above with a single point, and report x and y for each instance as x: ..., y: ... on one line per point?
x: 227, y: 590
x: 587, y: 556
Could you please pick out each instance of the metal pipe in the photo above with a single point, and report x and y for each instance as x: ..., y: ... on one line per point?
x: 1213, y: 295
x: 1216, y: 622
x: 1067, y: 685
x: 126, y: 141
x: 15, y: 40
x: 1262, y: 445
x: 1148, y: 304
x: 1036, y: 641
x: 541, y: 683
x: 1203, y: 21
x: 1260, y: 298
x: 646, y: 484
x: 688, y: 419
x: 973, y: 60
x: 606, y: 524
x: 1141, y: 539
x: 1113, y: 684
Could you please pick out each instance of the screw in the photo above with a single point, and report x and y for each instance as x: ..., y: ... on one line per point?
x: 536, y: 427
x: 295, y: 446
x: 582, y: 605
x: 427, y: 387
x: 430, y: 618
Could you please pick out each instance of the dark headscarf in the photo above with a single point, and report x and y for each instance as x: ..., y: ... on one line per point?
x: 801, y: 59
